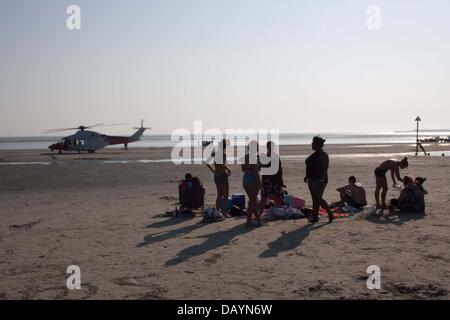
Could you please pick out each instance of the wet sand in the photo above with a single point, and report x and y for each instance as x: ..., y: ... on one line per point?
x: 106, y: 213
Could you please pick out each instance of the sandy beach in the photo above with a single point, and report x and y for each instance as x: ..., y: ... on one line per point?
x: 106, y: 213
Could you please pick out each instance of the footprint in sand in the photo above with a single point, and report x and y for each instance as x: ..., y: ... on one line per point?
x: 134, y: 281
x: 168, y: 198
x: 57, y: 293
x: 28, y: 225
x: 156, y: 293
x: 422, y: 291
x: 213, y: 259
x: 127, y: 281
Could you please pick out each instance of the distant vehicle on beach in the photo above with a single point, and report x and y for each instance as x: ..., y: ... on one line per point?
x: 436, y: 139
x: 90, y: 141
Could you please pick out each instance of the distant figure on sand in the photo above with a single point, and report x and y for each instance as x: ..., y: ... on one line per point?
x: 251, y: 181
x: 317, y: 178
x: 381, y: 181
x: 353, y: 194
x: 221, y: 173
x: 272, y: 185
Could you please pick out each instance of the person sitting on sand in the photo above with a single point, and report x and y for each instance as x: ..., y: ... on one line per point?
x: 419, y: 181
x: 411, y: 199
x: 353, y: 194
x: 221, y: 173
x: 381, y: 181
x: 251, y: 181
x: 272, y: 185
x: 317, y: 178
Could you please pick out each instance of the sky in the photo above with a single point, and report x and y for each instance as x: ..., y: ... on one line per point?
x: 292, y: 65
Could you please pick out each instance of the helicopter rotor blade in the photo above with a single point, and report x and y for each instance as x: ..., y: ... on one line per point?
x: 112, y: 124
x: 82, y: 127
x: 58, y: 130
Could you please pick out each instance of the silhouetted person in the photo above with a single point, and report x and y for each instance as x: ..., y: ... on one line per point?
x: 317, y: 178
x: 221, y: 173
x: 272, y: 185
x: 381, y: 181
x: 353, y: 194
x: 251, y: 181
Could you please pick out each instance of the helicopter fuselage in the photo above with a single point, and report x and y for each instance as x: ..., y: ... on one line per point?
x: 90, y: 141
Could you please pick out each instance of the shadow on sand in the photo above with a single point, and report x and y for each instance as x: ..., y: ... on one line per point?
x: 396, y: 218
x: 289, y: 240
x: 162, y: 236
x: 171, y: 221
x: 213, y: 241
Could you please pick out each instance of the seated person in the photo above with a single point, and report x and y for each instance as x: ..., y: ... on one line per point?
x: 411, y: 199
x: 191, y: 191
x: 419, y: 183
x: 353, y: 194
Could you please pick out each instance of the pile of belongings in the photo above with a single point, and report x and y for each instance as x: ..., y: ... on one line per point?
x: 212, y: 215
x: 292, y: 209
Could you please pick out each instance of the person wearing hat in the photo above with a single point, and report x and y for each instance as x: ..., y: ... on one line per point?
x: 317, y: 178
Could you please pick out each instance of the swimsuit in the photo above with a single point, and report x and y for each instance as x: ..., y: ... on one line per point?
x: 249, y: 181
x: 380, y: 172
x: 221, y: 178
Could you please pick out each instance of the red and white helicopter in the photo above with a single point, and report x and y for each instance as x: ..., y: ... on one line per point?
x: 90, y: 141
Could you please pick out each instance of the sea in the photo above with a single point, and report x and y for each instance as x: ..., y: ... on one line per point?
x: 165, y: 140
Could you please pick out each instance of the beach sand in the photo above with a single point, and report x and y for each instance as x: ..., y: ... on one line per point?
x: 110, y: 220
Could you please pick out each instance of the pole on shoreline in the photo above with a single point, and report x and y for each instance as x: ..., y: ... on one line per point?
x: 417, y: 135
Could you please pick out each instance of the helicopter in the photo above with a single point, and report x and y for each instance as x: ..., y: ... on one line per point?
x: 90, y: 141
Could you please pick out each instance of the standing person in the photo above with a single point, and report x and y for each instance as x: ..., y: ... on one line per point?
x: 221, y: 173
x: 381, y: 181
x: 251, y: 181
x: 272, y: 184
x: 317, y: 178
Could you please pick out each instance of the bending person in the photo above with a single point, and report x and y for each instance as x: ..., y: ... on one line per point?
x: 394, y: 166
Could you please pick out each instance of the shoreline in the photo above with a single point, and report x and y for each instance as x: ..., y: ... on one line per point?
x: 163, y: 154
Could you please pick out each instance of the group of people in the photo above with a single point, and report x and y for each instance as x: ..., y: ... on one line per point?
x: 317, y: 164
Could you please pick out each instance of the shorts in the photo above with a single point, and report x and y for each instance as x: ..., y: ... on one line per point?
x: 352, y: 203
x: 380, y: 173
x: 317, y: 188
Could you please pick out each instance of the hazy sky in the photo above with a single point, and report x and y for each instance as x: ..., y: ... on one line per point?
x: 299, y: 66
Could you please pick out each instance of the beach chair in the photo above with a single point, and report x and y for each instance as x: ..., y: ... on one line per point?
x: 191, y: 196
